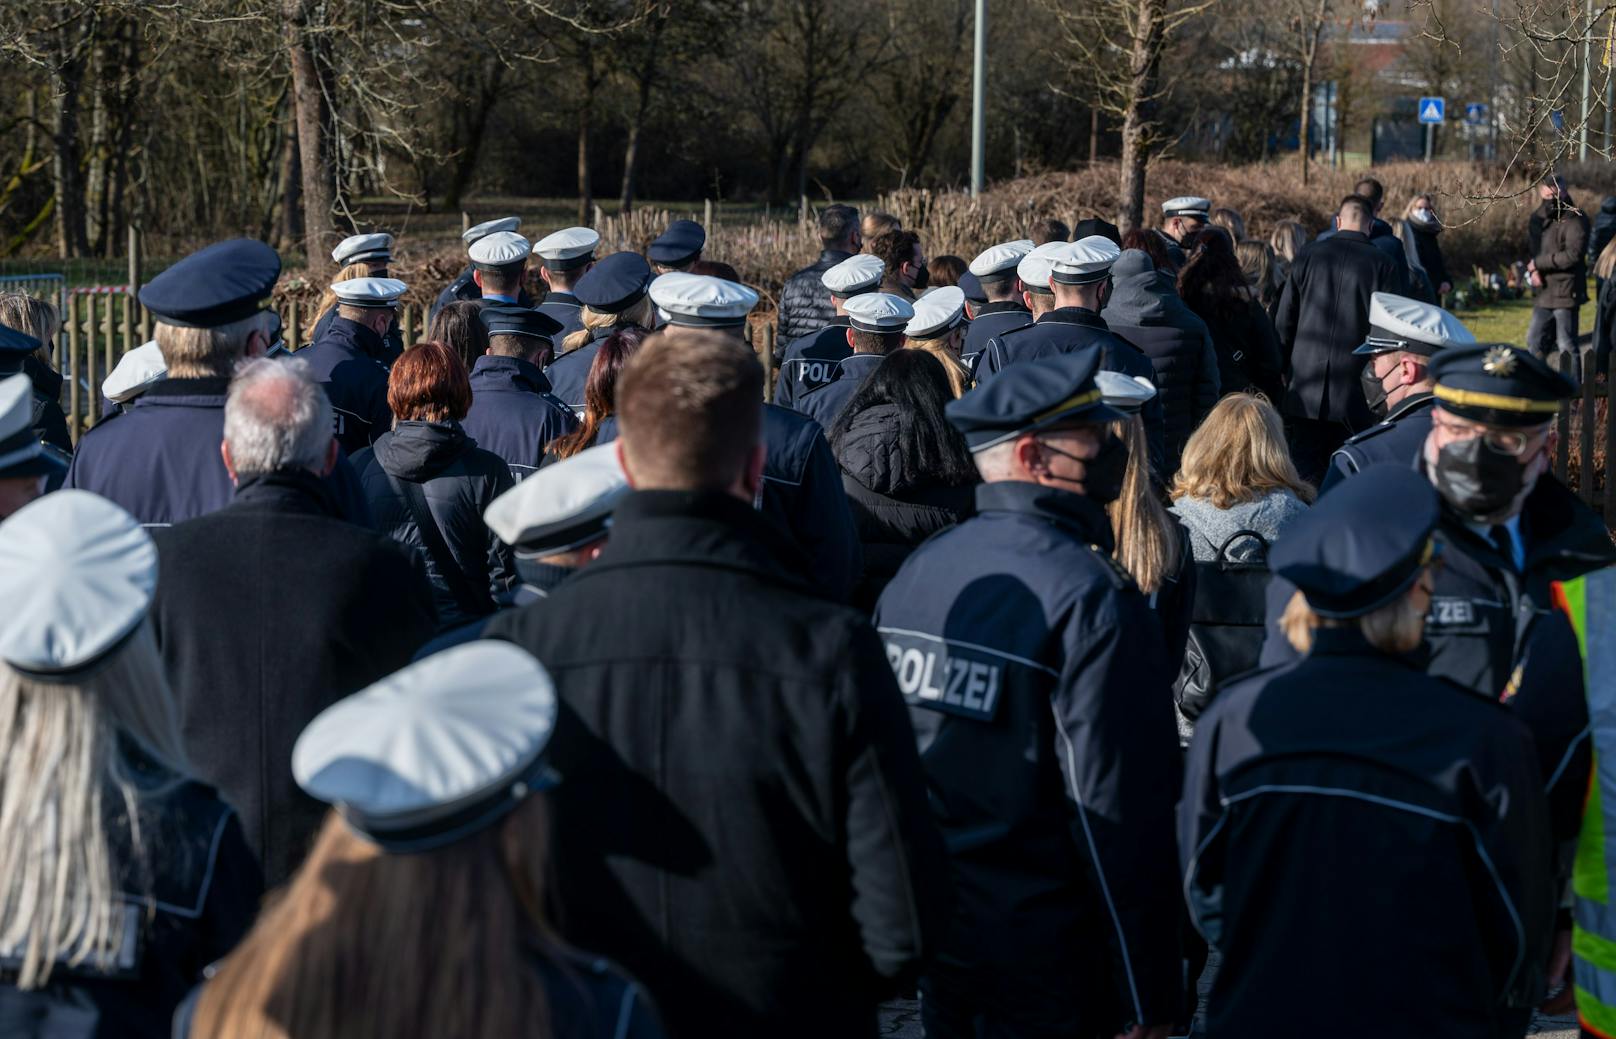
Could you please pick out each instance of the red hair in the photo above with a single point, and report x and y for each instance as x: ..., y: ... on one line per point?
x: 429, y: 384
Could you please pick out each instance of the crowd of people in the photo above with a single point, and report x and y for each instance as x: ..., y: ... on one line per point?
x: 1104, y: 637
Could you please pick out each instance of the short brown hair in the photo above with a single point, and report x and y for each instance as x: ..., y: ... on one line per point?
x: 895, y: 248
x: 429, y: 384
x: 876, y: 342
x: 505, y: 279
x: 691, y: 411
x: 1049, y: 230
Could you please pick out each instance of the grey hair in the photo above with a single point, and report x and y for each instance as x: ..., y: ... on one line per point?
x: 996, y: 462
x: 277, y: 417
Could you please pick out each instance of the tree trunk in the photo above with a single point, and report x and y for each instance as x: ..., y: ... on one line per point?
x: 67, y: 171
x: 1149, y: 35
x: 1094, y: 136
x: 466, y: 161
x: 313, y: 137
x: 289, y: 227
x: 1310, y: 60
x: 586, y: 195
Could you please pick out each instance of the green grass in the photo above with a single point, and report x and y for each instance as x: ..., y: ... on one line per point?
x: 1506, y: 321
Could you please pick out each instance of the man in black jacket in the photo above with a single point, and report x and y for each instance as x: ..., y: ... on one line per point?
x: 744, y: 826
x: 1323, y: 317
x: 805, y: 305
x: 271, y: 609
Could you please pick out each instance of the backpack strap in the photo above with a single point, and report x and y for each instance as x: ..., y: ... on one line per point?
x: 464, y: 590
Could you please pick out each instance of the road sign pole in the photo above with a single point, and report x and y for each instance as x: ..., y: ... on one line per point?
x: 979, y: 100
x: 1430, y: 135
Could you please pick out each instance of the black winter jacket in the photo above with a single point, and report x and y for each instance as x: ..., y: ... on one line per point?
x: 1247, y: 347
x: 805, y: 305
x: 459, y: 480
x: 303, y: 609
x: 1176, y: 341
x: 894, y: 510
x: 746, y: 818
x: 1323, y: 316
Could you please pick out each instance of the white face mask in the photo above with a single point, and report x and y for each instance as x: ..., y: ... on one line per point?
x: 1424, y: 216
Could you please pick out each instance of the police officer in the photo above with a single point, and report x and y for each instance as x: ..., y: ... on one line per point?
x: 1065, y: 285
x: 513, y: 413
x: 499, y: 267
x: 565, y: 257
x: 615, y: 285
x: 465, y: 284
x: 1038, y: 687
x: 1404, y: 334
x: 347, y: 360
x: 938, y: 328
x: 49, y: 421
x: 136, y: 371
x: 558, y: 521
x: 678, y: 247
x: 876, y: 321
x: 1003, y: 309
x: 159, y: 459
x: 26, y: 462
x: 1182, y: 217
x: 1341, y: 805
x: 810, y: 362
x: 370, y: 255
x: 802, y: 484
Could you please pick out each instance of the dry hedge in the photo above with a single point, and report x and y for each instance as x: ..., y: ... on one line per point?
x: 1486, y: 218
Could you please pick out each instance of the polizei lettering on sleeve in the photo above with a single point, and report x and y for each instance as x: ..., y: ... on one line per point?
x: 940, y: 677
x: 813, y: 374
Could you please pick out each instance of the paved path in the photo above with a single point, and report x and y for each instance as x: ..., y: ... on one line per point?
x: 900, y: 1019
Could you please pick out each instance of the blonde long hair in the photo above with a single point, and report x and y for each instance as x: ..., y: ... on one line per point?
x: 61, y: 897
x: 32, y: 316
x: 1287, y: 240
x: 1238, y: 455
x: 1148, y: 543
x: 1605, y: 265
x: 642, y: 314
x: 328, y: 300
x: 366, y: 943
x: 1395, y: 628
x: 959, y: 377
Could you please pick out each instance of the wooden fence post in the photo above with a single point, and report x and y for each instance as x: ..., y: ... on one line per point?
x: 91, y: 365
x: 1590, y: 416
x: 110, y: 344
x: 73, y: 365
x: 707, y: 214
x: 1562, y: 422
x: 294, y: 337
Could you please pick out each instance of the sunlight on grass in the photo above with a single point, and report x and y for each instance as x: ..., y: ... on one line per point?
x: 1506, y: 321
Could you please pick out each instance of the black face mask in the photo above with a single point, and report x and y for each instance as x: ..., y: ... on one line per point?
x: 1480, y: 484
x: 1374, y: 389
x: 922, y: 279
x: 1104, y: 473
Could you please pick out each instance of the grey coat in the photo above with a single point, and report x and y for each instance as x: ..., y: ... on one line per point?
x: 1210, y: 527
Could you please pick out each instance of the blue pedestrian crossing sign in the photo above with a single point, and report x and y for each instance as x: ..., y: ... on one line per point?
x: 1475, y: 113
x: 1432, y: 109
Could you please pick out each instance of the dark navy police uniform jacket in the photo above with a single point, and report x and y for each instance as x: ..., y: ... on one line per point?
x: 565, y: 308
x: 392, y: 341
x: 513, y: 413
x: 992, y: 319
x: 1400, y: 438
x: 810, y: 362
x: 347, y: 362
x: 1039, y: 690
x: 159, y: 459
x: 463, y: 287
x: 1065, y: 329
x: 569, y: 373
x: 825, y: 403
x: 1365, y: 844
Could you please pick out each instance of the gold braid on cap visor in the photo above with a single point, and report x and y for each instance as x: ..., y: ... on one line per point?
x: 1477, y: 399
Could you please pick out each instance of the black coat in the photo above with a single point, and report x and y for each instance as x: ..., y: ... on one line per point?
x: 805, y: 304
x: 205, y: 888
x: 1365, y: 844
x: 1247, y: 347
x: 347, y: 361
x: 1185, y: 363
x: 513, y: 413
x: 1429, y: 249
x: 1041, y: 697
x: 746, y: 822
x: 1605, y: 324
x: 267, y: 612
x: 894, y: 510
x: 1323, y: 316
x: 460, y: 480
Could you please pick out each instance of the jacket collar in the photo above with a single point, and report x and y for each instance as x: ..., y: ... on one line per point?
x: 1002, y: 306
x: 831, y: 257
x: 208, y: 390
x: 860, y: 365
x: 565, y: 298
x: 1409, y: 405
x: 703, y: 528
x: 1073, y: 316
x: 288, y: 490
x: 1564, y: 537
x: 542, y: 577
x: 1076, y: 512
x: 362, y: 339
x: 1349, y: 641
x: 1351, y: 236
x: 490, y: 371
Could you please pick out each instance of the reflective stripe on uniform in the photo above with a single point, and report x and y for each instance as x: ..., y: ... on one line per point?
x: 1593, y: 597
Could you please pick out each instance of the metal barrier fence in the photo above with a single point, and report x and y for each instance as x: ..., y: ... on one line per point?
x: 99, y: 326
x: 51, y: 287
